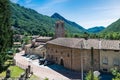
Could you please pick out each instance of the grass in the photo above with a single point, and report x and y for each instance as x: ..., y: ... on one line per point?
x: 15, y: 71
x: 3, y: 74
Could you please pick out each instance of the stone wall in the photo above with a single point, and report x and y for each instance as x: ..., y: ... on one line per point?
x: 41, y: 52
x: 111, y: 55
x: 72, y: 57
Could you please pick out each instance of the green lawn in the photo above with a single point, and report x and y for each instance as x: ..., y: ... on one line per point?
x: 15, y: 71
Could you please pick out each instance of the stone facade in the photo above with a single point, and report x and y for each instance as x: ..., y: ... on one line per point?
x: 68, y: 52
x: 40, y: 50
x: 37, y: 46
x: 59, y: 29
x: 71, y: 57
x: 109, y: 59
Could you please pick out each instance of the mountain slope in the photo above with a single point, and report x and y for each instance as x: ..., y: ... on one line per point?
x: 114, y: 27
x: 96, y: 29
x: 69, y: 23
x: 28, y: 20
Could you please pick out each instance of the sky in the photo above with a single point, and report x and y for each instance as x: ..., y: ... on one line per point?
x: 87, y: 13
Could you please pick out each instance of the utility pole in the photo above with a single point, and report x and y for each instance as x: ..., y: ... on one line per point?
x: 81, y: 62
x: 92, y: 63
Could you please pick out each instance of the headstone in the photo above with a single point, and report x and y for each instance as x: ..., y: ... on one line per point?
x: 8, y: 73
x: 29, y: 69
x: 26, y: 73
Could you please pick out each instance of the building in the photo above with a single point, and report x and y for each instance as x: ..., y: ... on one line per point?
x: 37, y: 46
x: 109, y: 54
x: 69, y: 52
x: 59, y: 29
x: 38, y: 50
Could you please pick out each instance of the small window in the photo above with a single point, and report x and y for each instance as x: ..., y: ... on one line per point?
x: 68, y: 55
x: 116, y: 62
x: 56, y: 51
x: 116, y: 50
x: 105, y: 60
x: 104, y: 50
x: 105, y: 70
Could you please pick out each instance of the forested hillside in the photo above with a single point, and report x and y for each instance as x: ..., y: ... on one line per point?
x: 30, y: 21
x: 96, y: 29
x: 113, y: 27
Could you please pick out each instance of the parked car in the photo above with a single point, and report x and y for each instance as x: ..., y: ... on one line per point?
x: 34, y: 57
x: 41, y: 61
x: 46, y: 63
x: 31, y: 56
x: 25, y: 54
x: 28, y: 55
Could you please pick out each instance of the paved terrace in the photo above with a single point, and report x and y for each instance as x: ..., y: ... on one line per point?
x: 45, y: 72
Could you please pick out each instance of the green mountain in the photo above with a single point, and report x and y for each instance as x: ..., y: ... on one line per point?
x: 73, y: 25
x: 114, y: 27
x: 28, y: 20
x: 96, y: 29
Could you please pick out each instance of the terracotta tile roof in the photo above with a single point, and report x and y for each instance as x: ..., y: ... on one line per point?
x: 87, y: 44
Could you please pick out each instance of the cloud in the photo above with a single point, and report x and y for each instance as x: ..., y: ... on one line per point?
x: 27, y: 1
x: 15, y: 1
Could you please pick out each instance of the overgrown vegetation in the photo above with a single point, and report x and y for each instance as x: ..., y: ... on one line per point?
x: 116, y: 73
x: 5, y: 30
x: 89, y: 75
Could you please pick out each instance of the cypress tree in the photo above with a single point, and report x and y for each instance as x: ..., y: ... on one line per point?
x: 5, y: 30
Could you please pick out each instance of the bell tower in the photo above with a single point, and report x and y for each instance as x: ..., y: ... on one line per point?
x: 59, y: 29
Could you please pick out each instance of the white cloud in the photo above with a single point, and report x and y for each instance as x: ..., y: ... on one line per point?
x: 27, y: 1
x: 15, y: 1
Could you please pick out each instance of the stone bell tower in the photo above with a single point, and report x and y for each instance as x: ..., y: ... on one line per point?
x: 59, y: 29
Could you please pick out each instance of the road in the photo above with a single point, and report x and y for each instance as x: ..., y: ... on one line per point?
x: 41, y: 72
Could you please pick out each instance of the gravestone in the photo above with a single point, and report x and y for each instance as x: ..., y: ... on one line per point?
x: 26, y: 73
x: 29, y: 69
x: 8, y: 73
